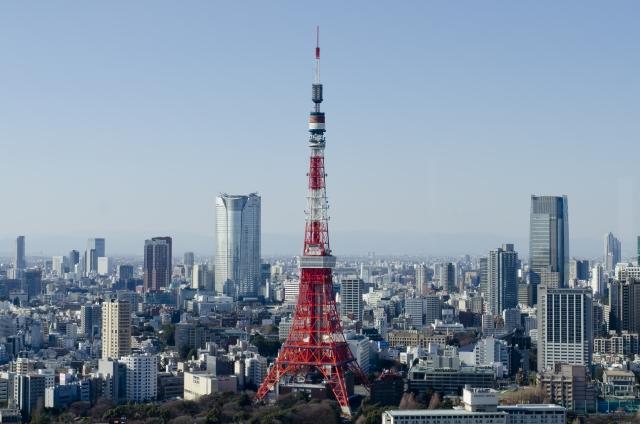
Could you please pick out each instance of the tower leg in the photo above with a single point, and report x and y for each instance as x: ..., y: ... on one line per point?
x: 276, y: 372
x: 336, y: 380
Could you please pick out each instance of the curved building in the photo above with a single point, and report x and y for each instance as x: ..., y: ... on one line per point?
x: 237, y: 245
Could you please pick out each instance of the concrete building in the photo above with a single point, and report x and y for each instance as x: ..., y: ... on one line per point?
x: 238, y: 235
x: 104, y: 265
x: 624, y: 301
x: 116, y: 329
x: 619, y: 384
x: 578, y: 269
x: 142, y: 377
x: 414, y: 310
x: 480, y: 406
x: 351, y: 303
x: 29, y: 392
x: 564, y: 327
x: 422, y: 280
x: 489, y: 351
x: 200, y: 278
x: 197, y: 384
x: 502, y: 280
x: 569, y: 386
x: 90, y: 321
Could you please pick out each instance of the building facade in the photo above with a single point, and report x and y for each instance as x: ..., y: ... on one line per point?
x: 564, y: 327
x: 351, y: 303
x: 157, y: 263
x: 116, y: 329
x: 549, y: 241
x: 238, y: 235
x: 502, y: 280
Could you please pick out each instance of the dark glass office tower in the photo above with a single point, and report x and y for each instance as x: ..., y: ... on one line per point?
x: 157, y: 263
x: 548, y: 242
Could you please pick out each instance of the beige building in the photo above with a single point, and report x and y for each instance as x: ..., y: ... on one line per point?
x: 116, y: 329
x: 415, y: 338
x: 198, y: 384
x: 569, y: 386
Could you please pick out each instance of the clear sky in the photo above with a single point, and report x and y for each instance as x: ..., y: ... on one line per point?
x: 125, y: 119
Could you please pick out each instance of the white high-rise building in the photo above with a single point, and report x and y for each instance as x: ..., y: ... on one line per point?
x: 238, y: 245
x: 565, y: 326
x: 598, y: 282
x: 103, y: 265
x: 142, y: 377
x: 422, y: 279
x: 351, y: 303
x: 58, y: 265
x: 116, y: 329
x: 199, y: 277
x: 291, y: 291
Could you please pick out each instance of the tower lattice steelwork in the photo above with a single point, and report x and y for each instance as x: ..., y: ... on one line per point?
x: 316, y: 342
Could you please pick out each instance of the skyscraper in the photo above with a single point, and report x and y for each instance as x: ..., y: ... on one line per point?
x: 564, y: 326
x: 200, y: 277
x: 95, y: 249
x: 116, y: 329
x: 142, y: 377
x: 73, y: 259
x: 32, y: 282
x: 188, y: 261
x: 624, y: 301
x: 90, y: 320
x: 351, y: 303
x: 422, y: 279
x: 238, y: 245
x: 549, y: 242
x: 612, y: 252
x: 20, y: 261
x: 157, y: 263
x: 448, y: 276
x: 578, y: 269
x: 502, y: 280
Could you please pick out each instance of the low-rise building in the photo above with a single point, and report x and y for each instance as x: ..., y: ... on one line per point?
x: 197, y: 384
x: 618, y: 383
x: 480, y: 407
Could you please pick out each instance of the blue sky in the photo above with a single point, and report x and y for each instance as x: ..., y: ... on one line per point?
x: 125, y: 119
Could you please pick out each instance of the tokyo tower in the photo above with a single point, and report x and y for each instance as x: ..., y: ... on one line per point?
x: 316, y: 342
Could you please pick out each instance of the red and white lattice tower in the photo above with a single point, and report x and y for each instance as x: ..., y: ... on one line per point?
x: 316, y: 342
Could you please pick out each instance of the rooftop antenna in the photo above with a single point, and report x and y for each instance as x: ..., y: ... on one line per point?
x: 318, y: 55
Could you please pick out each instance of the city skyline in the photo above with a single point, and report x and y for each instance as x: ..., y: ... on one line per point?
x: 441, y: 92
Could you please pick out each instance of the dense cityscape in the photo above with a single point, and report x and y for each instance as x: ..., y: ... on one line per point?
x: 237, y: 335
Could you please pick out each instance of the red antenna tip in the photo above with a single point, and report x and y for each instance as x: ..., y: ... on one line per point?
x: 318, y: 42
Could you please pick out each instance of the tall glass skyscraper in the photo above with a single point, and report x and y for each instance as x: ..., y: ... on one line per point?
x: 612, y: 252
x: 548, y: 242
x: 20, y: 262
x: 237, y: 245
x: 157, y: 263
x: 501, y: 290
